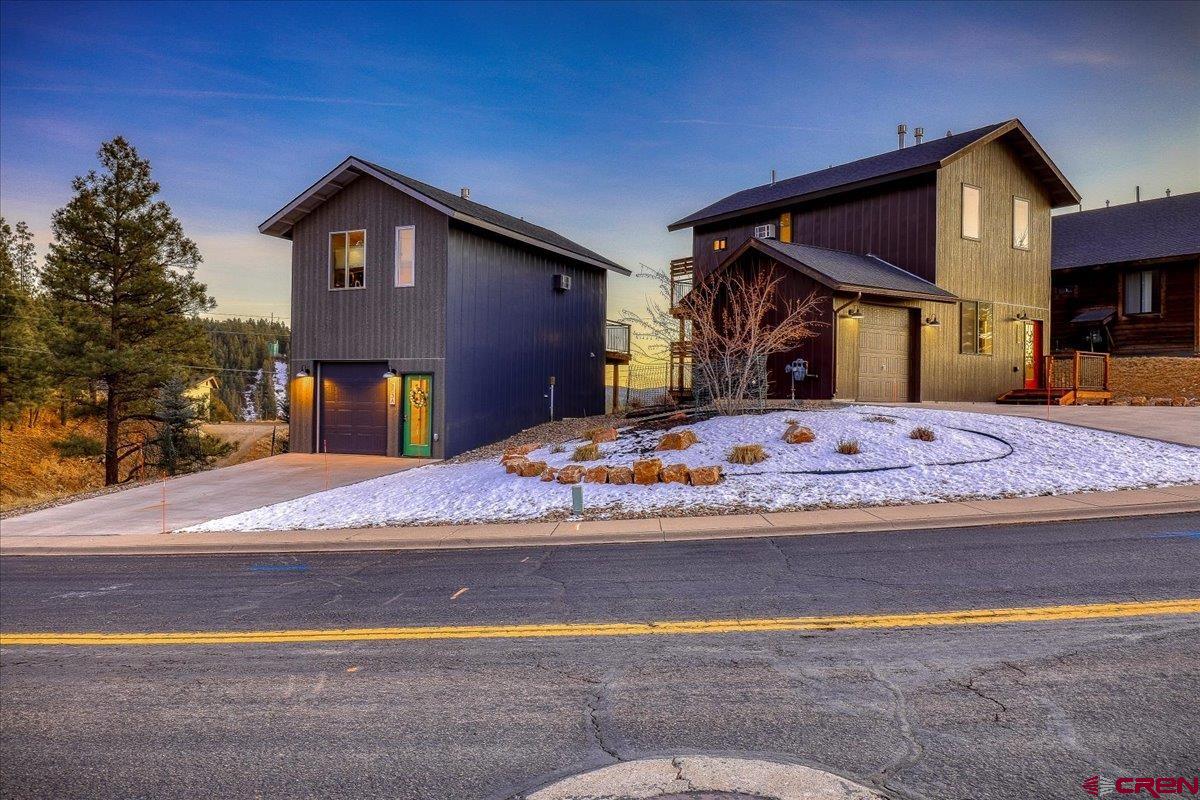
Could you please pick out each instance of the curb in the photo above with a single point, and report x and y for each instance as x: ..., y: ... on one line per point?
x: 747, y: 526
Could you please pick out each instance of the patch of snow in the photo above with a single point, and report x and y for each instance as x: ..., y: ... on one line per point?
x: 281, y: 383
x: 1045, y: 458
x: 249, y: 407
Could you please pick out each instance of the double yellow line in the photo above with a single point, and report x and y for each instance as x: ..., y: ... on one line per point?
x: 985, y: 616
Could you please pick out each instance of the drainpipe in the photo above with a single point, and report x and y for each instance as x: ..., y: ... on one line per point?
x: 837, y: 311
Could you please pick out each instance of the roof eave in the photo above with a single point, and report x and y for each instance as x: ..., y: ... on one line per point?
x: 688, y: 222
x: 1066, y: 195
x: 538, y: 243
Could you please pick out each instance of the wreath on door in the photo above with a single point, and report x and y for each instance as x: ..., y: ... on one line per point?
x: 418, y: 397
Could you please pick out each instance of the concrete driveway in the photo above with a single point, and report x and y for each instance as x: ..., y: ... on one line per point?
x: 196, y: 498
x: 1165, y: 423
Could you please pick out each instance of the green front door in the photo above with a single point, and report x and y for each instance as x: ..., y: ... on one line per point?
x: 418, y: 415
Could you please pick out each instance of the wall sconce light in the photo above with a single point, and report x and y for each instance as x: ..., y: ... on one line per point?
x: 302, y: 372
x: 1022, y: 316
x: 932, y: 322
x: 391, y: 373
x: 854, y: 313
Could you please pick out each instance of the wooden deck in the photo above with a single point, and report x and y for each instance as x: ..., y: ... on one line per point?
x: 1072, y: 378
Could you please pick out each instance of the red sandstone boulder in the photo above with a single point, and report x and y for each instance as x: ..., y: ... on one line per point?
x: 532, y: 469
x: 798, y: 434
x: 620, y: 475
x: 570, y: 473
x: 604, y: 435
x: 675, y: 473
x: 645, y: 471
x: 704, y: 476
x: 596, y: 475
x: 678, y: 440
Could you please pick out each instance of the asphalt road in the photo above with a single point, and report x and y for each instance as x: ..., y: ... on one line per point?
x: 981, y: 711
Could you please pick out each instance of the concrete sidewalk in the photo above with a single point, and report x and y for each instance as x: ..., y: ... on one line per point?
x: 1090, y: 505
x: 201, y: 496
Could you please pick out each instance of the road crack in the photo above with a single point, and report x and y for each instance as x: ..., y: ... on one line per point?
x: 913, y: 752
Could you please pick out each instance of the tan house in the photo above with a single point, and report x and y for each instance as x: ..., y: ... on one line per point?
x: 202, y: 393
x: 932, y: 263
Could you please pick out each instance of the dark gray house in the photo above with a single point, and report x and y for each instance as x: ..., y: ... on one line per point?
x: 1127, y: 279
x: 426, y: 324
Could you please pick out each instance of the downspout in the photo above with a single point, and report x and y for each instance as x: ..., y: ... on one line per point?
x: 836, y: 312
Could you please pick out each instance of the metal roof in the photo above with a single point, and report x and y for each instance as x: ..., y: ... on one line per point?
x: 1161, y: 228
x: 452, y: 205
x: 892, y: 165
x: 1103, y: 314
x: 844, y: 271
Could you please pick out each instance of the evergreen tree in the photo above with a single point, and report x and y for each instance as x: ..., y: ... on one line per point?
x: 120, y: 277
x: 178, y: 446
x: 25, y: 379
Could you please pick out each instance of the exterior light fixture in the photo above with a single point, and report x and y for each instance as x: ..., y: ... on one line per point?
x: 391, y: 373
x: 1022, y: 316
x: 854, y: 313
x: 302, y: 372
x: 933, y: 322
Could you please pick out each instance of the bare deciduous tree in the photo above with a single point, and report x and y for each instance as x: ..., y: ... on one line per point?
x: 738, y: 321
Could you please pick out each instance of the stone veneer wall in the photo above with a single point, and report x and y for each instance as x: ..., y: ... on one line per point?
x: 1155, y: 376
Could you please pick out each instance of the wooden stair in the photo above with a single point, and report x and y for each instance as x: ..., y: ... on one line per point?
x: 1035, y: 397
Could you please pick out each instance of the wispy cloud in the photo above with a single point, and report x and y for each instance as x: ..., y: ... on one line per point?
x: 739, y: 124
x: 1087, y: 57
x: 208, y: 94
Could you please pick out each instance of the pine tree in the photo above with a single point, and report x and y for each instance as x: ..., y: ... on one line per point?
x: 25, y: 380
x: 120, y: 277
x: 178, y: 446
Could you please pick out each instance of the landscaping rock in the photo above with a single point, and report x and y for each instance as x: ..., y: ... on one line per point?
x: 678, y: 440
x: 678, y: 416
x: 514, y: 465
x: 520, y: 450
x: 1139, y: 400
x: 675, y: 473
x: 596, y: 475
x: 620, y: 475
x: 1160, y: 401
x: 704, y: 476
x: 645, y: 471
x: 532, y: 469
x: 798, y: 434
x: 548, y: 474
x: 1179, y: 401
x: 570, y: 473
x: 604, y: 435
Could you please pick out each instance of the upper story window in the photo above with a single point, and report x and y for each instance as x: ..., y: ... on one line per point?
x: 720, y: 244
x: 975, y: 328
x: 1020, y: 220
x: 347, y: 259
x: 406, y: 255
x: 1142, y: 292
x: 970, y: 211
x: 785, y: 226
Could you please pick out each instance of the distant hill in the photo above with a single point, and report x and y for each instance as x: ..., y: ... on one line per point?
x: 240, y: 348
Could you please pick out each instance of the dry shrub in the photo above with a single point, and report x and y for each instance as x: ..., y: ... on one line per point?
x: 586, y: 452
x: 923, y: 434
x: 747, y: 454
x: 848, y: 447
x: 881, y: 418
x: 558, y: 448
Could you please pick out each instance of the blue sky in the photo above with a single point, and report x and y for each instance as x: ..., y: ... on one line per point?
x: 604, y: 122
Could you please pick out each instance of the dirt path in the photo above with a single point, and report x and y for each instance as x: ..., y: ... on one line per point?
x: 243, y: 435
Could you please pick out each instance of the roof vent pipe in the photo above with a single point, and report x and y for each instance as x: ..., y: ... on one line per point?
x: 948, y: 134
x: 901, y: 129
x: 1168, y: 191
x: 1106, y: 204
x: 1137, y: 194
x: 465, y: 192
x: 918, y: 134
x: 772, y: 177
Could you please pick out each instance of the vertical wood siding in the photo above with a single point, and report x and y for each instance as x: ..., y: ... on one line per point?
x: 896, y: 221
x: 403, y: 326
x: 508, y: 331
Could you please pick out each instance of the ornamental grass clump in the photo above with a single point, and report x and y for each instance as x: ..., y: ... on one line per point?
x: 922, y: 434
x: 848, y: 447
x: 747, y: 454
x: 586, y: 452
x: 881, y: 418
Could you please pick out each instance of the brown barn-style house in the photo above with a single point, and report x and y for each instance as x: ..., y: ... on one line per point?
x: 932, y: 260
x: 426, y: 324
x: 1126, y: 279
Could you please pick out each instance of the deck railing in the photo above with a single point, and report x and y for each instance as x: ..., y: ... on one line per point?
x: 1078, y: 371
x: 617, y: 336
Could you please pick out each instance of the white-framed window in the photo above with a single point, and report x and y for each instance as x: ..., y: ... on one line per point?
x: 1020, y: 226
x: 347, y: 259
x: 406, y: 255
x: 1142, y: 292
x: 971, y: 207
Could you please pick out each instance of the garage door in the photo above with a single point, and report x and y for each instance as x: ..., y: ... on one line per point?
x: 883, y: 354
x: 354, y: 408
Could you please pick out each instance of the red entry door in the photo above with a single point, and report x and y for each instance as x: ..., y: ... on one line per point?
x: 1033, y: 354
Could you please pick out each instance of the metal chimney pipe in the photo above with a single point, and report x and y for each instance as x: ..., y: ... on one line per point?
x: 1168, y: 191
x: 772, y: 177
x: 465, y: 192
x: 901, y: 129
x: 1137, y: 194
x: 918, y: 134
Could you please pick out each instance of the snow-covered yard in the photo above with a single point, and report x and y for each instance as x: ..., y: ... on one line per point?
x: 974, y: 456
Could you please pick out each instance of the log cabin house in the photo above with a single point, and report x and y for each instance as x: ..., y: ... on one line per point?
x: 932, y: 262
x: 426, y: 324
x: 1126, y: 279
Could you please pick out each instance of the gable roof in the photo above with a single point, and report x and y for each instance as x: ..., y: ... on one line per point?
x: 892, y: 165
x: 1160, y: 228
x: 452, y: 205
x: 842, y: 271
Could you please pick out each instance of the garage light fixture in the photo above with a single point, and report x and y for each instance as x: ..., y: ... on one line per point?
x: 854, y: 313
x: 932, y: 322
x: 391, y: 373
x: 302, y: 372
